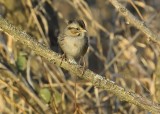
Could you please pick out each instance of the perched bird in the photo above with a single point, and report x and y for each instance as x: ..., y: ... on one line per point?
x: 73, y: 40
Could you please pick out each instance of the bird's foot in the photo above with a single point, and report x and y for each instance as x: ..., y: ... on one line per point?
x: 72, y: 61
x: 63, y: 57
x: 83, y: 67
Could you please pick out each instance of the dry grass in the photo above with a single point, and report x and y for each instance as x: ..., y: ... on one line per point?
x: 118, y: 51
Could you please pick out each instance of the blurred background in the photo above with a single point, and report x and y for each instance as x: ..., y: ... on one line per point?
x: 117, y: 51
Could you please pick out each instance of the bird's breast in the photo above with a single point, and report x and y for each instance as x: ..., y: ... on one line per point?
x: 74, y: 46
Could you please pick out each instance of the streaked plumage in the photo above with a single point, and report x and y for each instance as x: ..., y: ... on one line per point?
x: 73, y: 41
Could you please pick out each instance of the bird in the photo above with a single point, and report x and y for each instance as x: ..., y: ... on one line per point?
x: 74, y: 41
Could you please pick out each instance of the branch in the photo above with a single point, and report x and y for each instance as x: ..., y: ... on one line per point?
x: 135, y: 22
x: 90, y: 76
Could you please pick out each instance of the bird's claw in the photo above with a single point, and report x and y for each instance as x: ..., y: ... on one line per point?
x: 72, y: 61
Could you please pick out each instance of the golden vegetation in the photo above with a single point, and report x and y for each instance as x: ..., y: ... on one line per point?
x: 118, y: 51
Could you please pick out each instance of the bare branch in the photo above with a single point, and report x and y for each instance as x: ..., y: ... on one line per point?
x: 90, y: 76
x: 135, y: 22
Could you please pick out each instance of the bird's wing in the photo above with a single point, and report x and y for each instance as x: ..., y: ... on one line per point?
x: 85, y: 46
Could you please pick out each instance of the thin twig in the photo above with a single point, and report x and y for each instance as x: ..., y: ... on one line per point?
x: 23, y: 88
x: 135, y: 22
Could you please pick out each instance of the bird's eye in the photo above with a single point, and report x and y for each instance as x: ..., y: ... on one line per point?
x: 77, y: 29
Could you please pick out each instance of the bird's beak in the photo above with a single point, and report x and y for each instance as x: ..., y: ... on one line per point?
x: 83, y: 30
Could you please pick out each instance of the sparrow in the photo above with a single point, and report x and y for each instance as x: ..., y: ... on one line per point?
x: 73, y: 40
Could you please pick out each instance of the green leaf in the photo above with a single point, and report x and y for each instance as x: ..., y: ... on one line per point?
x: 45, y: 94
